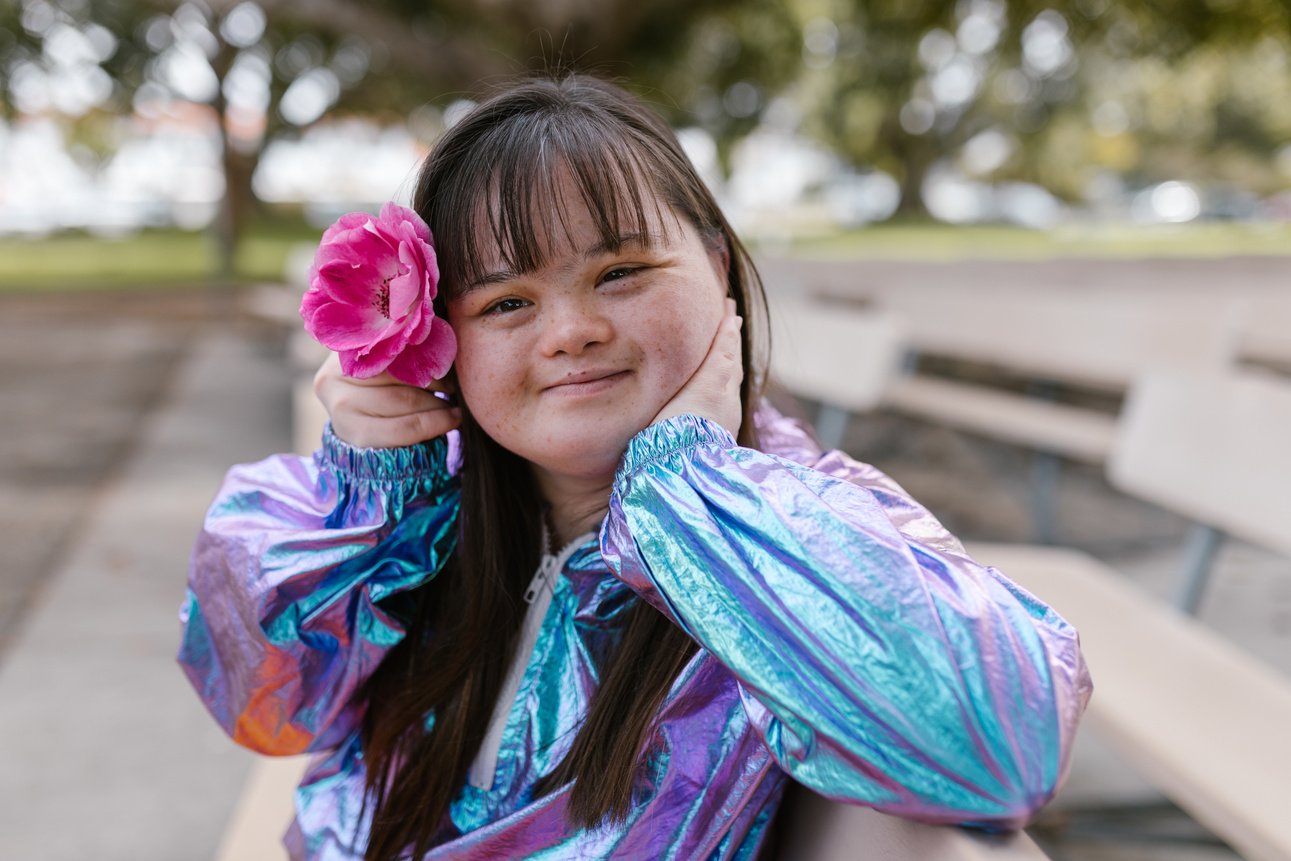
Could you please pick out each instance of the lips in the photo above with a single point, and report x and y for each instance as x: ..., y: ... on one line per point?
x: 588, y: 382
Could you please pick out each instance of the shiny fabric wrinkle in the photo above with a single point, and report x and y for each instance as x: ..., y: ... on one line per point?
x: 845, y: 641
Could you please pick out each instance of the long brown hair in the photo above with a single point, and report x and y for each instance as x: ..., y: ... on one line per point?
x: 430, y: 701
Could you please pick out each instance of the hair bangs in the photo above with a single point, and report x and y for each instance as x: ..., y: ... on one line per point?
x: 539, y: 175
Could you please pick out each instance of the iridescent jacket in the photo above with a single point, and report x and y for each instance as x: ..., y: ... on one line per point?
x: 845, y: 638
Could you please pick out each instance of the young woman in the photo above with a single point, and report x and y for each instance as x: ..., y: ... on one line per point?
x: 591, y: 597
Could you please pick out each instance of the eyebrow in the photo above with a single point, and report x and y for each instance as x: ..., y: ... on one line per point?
x: 640, y: 239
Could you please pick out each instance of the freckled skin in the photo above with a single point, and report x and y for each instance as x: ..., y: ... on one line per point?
x: 647, y: 313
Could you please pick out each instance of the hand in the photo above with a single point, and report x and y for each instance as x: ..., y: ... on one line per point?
x: 381, y: 412
x: 713, y: 391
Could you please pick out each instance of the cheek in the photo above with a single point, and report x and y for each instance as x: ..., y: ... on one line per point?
x: 679, y: 340
x: 485, y: 381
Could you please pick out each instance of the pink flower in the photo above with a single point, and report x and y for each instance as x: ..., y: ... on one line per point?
x: 370, y: 294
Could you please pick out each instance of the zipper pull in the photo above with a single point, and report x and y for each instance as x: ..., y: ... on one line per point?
x: 546, y: 569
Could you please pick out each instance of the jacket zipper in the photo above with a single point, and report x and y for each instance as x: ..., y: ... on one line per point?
x: 538, y: 596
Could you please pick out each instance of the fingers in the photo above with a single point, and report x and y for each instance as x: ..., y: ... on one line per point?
x: 725, y: 368
x: 380, y: 411
x: 330, y: 371
x: 395, y: 431
x: 389, y: 401
x: 727, y: 343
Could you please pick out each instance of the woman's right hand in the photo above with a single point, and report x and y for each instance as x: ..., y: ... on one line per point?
x: 381, y: 412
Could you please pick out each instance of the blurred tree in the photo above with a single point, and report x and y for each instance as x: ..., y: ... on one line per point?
x: 999, y: 87
x: 243, y: 59
x: 1058, y: 92
x: 271, y: 67
x: 1206, y: 98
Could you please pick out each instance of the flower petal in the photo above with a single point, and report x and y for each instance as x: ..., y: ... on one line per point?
x: 430, y: 360
x: 369, y: 248
x: 408, y: 288
x: 378, y: 351
x: 353, y: 364
x: 393, y: 213
x: 339, y: 326
x: 384, y: 348
x: 346, y: 223
x: 418, y: 323
x: 351, y: 284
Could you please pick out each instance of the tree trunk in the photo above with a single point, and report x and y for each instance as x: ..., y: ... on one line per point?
x: 236, y: 207
x: 914, y: 156
x: 913, y: 174
x: 238, y: 202
x: 226, y: 223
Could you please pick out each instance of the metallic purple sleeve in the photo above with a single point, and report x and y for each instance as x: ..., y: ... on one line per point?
x: 282, y: 621
x: 879, y: 664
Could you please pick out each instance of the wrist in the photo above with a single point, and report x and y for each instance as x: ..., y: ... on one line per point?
x: 731, y: 424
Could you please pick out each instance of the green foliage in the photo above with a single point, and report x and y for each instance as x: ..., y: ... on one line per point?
x: 716, y: 60
x: 150, y: 259
x: 165, y: 259
x: 729, y: 65
x: 992, y: 242
x: 1146, y: 88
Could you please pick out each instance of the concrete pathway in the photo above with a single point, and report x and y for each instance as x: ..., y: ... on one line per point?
x: 81, y: 372
x: 106, y: 752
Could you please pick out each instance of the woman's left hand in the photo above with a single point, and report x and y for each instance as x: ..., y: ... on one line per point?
x: 713, y: 391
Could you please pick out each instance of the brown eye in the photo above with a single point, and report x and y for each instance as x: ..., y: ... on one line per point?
x: 505, y: 306
x: 620, y: 272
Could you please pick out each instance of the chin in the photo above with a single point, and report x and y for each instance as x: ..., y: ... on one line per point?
x: 587, y: 458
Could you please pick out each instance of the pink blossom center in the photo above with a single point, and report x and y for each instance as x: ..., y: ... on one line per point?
x: 382, y: 297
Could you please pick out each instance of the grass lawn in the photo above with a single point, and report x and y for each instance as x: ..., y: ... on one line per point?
x: 173, y: 258
x: 944, y: 242
x: 150, y: 259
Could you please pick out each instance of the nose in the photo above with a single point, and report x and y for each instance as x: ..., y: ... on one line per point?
x: 574, y: 324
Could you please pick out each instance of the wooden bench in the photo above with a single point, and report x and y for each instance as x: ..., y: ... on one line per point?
x: 1206, y: 723
x: 1255, y: 299
x: 1202, y: 721
x: 851, y: 360
x: 1075, y: 433
x: 845, y: 358
x: 816, y: 829
x: 1095, y: 342
x: 1215, y: 448
x: 1083, y: 342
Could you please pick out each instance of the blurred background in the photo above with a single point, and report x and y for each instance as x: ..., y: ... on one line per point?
x: 812, y: 118
x: 1042, y: 199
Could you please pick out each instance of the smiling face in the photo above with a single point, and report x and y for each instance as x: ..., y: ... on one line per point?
x: 562, y: 365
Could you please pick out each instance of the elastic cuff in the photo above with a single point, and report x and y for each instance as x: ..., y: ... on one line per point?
x: 669, y: 436
x: 426, y: 460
